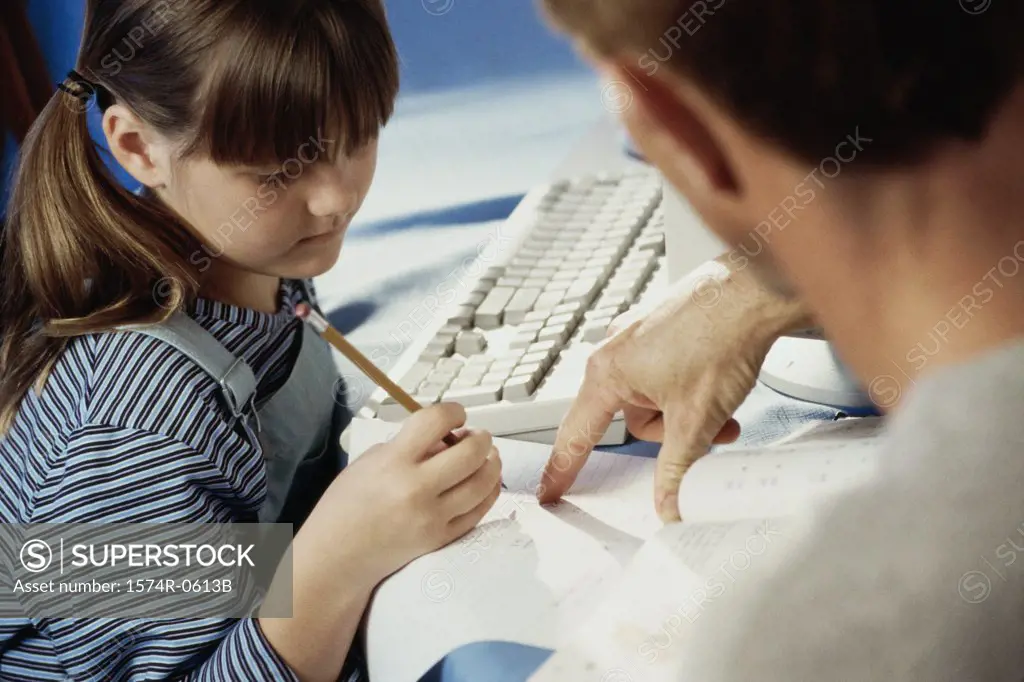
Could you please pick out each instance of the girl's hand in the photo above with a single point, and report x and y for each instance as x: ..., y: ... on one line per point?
x: 410, y: 495
x: 398, y: 501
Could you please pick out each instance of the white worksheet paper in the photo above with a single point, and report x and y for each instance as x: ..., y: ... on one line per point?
x: 743, y: 517
x: 536, y: 575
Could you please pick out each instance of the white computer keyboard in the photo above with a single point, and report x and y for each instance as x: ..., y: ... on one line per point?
x: 514, y: 347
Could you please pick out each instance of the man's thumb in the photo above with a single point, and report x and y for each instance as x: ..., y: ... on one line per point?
x: 688, y: 437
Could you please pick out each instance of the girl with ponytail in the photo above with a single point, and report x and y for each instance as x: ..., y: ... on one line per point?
x: 152, y: 369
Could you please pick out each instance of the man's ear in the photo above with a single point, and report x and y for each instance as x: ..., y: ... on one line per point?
x: 139, y: 150
x: 671, y: 128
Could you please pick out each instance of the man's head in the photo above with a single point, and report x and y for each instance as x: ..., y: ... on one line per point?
x: 771, y: 113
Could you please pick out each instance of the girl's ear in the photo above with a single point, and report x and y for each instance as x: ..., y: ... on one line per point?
x: 143, y: 153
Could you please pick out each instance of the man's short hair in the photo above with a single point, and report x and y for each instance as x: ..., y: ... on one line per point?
x: 806, y: 73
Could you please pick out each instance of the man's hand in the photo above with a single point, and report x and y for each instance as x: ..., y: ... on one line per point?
x: 678, y: 374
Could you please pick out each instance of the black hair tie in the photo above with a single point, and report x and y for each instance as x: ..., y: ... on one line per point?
x: 83, y: 90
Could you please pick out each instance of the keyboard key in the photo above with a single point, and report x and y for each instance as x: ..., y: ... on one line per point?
x: 512, y: 282
x: 450, y: 365
x: 600, y: 262
x: 474, y: 298
x: 626, y: 289
x: 426, y: 399
x: 586, y: 214
x: 415, y: 376
x: 654, y: 243
x: 519, y: 388
x: 470, y: 397
x: 548, y: 300
x: 542, y: 357
x: 546, y: 347
x: 482, y: 362
x: 442, y: 377
x: 463, y: 317
x: 626, y: 285
x: 493, y: 273
x: 614, y: 235
x: 596, y: 330
x: 535, y: 282
x: 567, y: 319
x: 494, y: 378
x: 470, y: 343
x: 512, y: 356
x: 523, y: 340
x: 521, y: 304
x: 560, y: 287
x: 468, y: 381
x: 575, y: 308
x: 639, y: 257
x: 490, y: 313
x: 433, y: 389
x: 582, y: 290
x: 483, y: 286
x: 537, y: 316
x: 534, y: 370
x: 437, y: 349
x: 557, y: 333
x: 612, y: 300
x: 538, y: 241
x: 642, y: 269
x: 612, y: 313
x: 595, y: 273
x: 471, y: 376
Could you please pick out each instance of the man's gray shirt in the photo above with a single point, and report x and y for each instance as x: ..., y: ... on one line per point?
x: 917, y: 574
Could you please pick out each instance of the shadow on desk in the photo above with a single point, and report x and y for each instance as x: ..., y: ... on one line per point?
x: 491, y: 661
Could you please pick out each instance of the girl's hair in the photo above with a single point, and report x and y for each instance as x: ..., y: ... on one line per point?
x: 244, y: 82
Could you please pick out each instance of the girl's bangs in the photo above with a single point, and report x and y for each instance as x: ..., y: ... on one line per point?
x: 325, y: 75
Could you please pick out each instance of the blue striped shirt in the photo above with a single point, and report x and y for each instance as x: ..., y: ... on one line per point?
x: 127, y: 429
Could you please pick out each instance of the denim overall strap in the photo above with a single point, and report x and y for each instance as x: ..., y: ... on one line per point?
x: 235, y: 378
x: 300, y: 436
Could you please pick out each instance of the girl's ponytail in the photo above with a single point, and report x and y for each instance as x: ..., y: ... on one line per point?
x: 78, y: 249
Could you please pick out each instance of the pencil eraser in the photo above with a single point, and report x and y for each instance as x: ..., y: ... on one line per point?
x: 303, y: 310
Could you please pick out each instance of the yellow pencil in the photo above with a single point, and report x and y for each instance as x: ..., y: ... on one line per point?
x: 306, y: 313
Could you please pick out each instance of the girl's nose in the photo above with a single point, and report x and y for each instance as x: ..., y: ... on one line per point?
x: 330, y: 193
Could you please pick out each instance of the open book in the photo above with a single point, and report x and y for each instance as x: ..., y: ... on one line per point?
x: 598, y: 573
